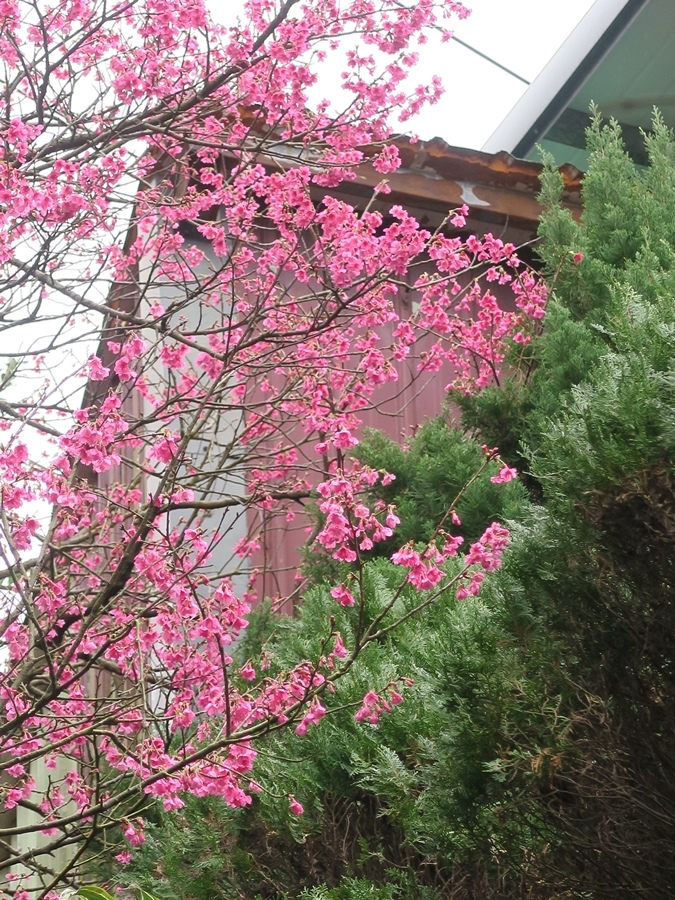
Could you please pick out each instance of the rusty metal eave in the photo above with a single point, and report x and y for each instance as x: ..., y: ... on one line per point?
x: 498, y: 188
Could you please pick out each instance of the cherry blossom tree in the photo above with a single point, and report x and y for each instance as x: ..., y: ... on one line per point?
x: 193, y: 320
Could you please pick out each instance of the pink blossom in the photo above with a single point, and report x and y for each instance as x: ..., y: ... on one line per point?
x: 371, y: 709
x: 505, y: 474
x: 96, y: 370
x: 339, y: 649
x: 253, y: 320
x: 248, y: 673
x: 173, y: 357
x: 165, y: 449
x: 343, y: 595
x: 296, y: 808
x: 343, y: 440
x: 458, y: 219
x: 135, y: 834
x: 315, y: 713
x: 451, y: 545
x: 23, y: 533
x: 124, y: 370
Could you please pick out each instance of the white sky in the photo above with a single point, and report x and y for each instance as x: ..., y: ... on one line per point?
x: 521, y: 35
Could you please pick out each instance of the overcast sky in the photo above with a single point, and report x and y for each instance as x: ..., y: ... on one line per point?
x: 522, y: 35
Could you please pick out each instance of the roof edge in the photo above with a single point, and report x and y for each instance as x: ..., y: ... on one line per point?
x: 580, y: 54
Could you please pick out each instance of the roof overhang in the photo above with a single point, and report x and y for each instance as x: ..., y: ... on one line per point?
x: 435, y: 178
x: 553, y: 90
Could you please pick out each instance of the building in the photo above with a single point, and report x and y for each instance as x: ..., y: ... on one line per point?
x: 434, y: 178
x: 619, y: 57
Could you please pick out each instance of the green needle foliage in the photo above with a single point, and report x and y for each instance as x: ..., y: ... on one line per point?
x: 594, y: 417
x: 400, y: 808
x: 431, y: 472
x: 533, y: 757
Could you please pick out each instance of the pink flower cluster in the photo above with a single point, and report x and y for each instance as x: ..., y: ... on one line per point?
x: 222, y: 362
x: 424, y: 568
x: 505, y: 474
x: 374, y: 705
x: 486, y: 554
x: 350, y: 525
x: 315, y: 713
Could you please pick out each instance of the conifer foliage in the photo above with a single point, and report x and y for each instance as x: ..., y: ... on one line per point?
x: 605, y: 464
x: 532, y: 756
